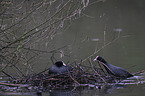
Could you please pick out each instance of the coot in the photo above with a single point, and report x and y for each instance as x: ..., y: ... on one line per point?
x: 59, y: 67
x: 114, y: 70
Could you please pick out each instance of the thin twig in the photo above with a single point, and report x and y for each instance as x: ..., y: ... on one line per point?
x: 96, y: 71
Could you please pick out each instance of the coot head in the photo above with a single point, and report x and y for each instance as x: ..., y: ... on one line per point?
x: 59, y: 63
x: 100, y: 59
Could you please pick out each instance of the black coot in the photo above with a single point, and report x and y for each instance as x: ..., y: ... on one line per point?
x: 59, y: 67
x: 114, y: 70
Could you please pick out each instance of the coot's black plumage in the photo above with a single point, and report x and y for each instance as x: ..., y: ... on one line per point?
x: 114, y: 70
x: 59, y: 67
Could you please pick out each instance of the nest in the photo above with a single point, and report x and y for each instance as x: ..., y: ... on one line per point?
x: 79, y: 76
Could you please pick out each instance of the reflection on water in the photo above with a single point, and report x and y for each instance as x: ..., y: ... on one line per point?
x: 128, y: 86
x: 112, y: 88
x: 63, y: 93
x: 117, y: 30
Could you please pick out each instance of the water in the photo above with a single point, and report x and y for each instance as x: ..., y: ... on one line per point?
x: 103, y: 22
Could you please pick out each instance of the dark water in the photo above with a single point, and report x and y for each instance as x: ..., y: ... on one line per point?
x: 102, y: 23
x: 118, y: 21
x: 117, y: 18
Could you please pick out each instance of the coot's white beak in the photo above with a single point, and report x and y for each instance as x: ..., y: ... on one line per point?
x: 95, y: 58
x: 64, y: 64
